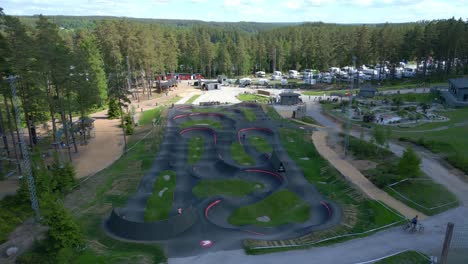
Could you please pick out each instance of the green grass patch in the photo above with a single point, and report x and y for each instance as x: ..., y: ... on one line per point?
x: 426, y: 193
x: 451, y: 143
x: 272, y: 113
x: 201, y: 122
x: 409, y: 97
x: 422, y: 190
x: 309, y: 120
x: 195, y: 149
x: 192, y: 99
x: 239, y: 155
x: 13, y: 211
x: 249, y: 114
x: 158, y: 208
x: 261, y: 144
x: 231, y: 187
x: 148, y: 116
x: 253, y: 98
x: 407, y: 257
x: 281, y: 207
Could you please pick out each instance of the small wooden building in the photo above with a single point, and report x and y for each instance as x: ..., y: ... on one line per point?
x: 290, y: 98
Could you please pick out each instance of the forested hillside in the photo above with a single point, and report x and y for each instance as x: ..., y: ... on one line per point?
x: 90, y: 22
x: 64, y: 70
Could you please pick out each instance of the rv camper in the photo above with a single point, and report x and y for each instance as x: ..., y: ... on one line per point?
x: 277, y: 75
x: 293, y: 74
x: 260, y: 74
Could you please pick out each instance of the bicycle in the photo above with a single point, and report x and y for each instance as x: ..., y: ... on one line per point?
x: 409, y: 227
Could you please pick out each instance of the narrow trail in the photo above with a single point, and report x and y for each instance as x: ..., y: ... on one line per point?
x: 356, y: 178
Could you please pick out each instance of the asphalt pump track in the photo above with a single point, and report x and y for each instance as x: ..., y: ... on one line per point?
x: 201, y: 220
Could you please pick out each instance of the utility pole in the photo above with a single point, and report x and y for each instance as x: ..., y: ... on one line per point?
x: 350, y: 110
x: 446, y: 245
x: 26, y: 168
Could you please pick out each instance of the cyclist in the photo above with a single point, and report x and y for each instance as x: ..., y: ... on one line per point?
x: 414, y: 223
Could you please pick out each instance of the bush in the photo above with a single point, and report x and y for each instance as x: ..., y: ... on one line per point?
x: 114, y: 109
x: 128, y: 124
x: 63, y: 177
x: 64, y: 232
x: 408, y: 166
x: 384, y: 174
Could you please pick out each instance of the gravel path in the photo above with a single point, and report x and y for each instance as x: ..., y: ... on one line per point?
x: 359, y: 180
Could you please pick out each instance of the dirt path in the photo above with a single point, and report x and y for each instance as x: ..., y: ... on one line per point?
x: 108, y: 145
x: 359, y: 180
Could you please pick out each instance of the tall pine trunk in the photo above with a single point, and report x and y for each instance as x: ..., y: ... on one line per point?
x: 12, y: 134
x: 4, y: 136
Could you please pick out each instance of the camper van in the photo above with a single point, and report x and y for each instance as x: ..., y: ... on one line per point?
x: 260, y: 74
x: 409, y: 71
x: 245, y: 81
x: 293, y: 74
x: 277, y: 75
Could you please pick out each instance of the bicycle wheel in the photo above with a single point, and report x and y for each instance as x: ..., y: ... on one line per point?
x: 421, y: 229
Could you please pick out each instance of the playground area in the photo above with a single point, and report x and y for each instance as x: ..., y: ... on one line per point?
x: 199, y: 196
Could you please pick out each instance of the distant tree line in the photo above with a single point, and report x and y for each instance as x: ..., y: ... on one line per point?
x: 61, y: 71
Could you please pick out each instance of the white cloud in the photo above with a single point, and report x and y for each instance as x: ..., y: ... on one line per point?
x: 232, y: 3
x: 293, y: 4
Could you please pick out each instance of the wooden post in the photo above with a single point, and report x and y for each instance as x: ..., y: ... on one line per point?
x: 446, y: 246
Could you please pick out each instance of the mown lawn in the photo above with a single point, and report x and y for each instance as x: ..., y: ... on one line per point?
x: 281, y: 207
x: 409, y: 97
x: 148, y: 116
x: 158, y: 208
x: 231, y: 187
x: 192, y: 99
x: 201, y: 122
x: 195, y: 149
x: 249, y: 114
x: 253, y: 98
x: 239, y: 155
x: 261, y: 144
x: 426, y: 194
x: 407, y: 257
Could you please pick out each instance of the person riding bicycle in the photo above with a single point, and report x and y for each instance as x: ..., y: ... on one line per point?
x: 414, y: 222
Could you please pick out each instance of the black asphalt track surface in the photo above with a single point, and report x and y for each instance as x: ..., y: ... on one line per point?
x: 211, y: 214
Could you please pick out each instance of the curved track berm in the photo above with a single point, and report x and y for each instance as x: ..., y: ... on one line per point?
x: 207, y: 218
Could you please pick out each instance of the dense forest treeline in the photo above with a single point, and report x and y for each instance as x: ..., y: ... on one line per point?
x: 73, y: 70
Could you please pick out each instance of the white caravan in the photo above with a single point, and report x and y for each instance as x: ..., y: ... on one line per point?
x: 277, y: 75
x: 293, y: 74
x: 260, y: 74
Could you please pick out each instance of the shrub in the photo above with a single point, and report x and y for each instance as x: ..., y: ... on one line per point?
x: 114, y: 109
x: 408, y: 166
x: 128, y: 124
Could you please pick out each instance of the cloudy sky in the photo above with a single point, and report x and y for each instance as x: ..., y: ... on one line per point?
x: 338, y: 11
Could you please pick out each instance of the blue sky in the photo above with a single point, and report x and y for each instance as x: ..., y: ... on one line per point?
x: 337, y: 11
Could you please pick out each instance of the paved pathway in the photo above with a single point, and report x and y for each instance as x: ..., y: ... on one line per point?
x: 359, y: 180
x: 354, y: 251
